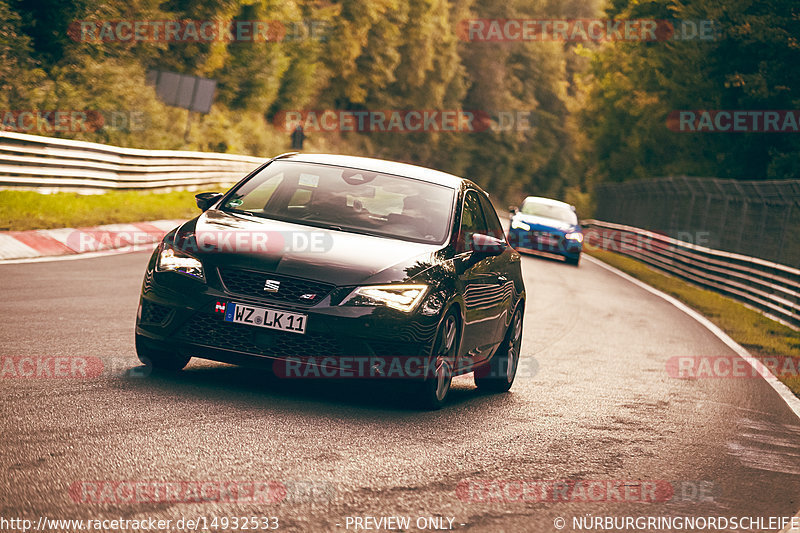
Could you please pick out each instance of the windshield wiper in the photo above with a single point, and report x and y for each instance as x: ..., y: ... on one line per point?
x: 314, y: 223
x: 335, y: 227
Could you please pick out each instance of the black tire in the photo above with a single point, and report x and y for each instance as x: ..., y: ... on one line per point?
x: 432, y: 392
x: 573, y: 260
x: 159, y: 359
x: 498, y: 375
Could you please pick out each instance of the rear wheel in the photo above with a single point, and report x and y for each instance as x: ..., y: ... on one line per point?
x: 159, y: 359
x: 498, y: 375
x: 433, y: 390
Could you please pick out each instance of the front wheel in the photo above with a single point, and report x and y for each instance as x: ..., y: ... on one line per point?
x: 573, y: 260
x: 159, y: 359
x: 498, y: 375
x: 432, y: 392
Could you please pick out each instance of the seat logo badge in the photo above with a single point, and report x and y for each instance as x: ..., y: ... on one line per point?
x: 272, y: 285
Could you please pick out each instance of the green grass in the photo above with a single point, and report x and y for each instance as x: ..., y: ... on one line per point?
x: 761, y: 336
x: 24, y: 210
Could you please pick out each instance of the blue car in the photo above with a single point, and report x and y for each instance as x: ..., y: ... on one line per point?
x: 546, y: 225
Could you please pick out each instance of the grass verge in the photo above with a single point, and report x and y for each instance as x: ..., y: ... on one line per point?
x: 25, y: 210
x: 761, y: 336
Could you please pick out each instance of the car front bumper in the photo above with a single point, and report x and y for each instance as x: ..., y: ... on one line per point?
x: 184, y: 316
x: 542, y: 241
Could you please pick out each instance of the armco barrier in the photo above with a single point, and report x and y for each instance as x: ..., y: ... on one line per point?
x: 32, y: 161
x: 772, y: 288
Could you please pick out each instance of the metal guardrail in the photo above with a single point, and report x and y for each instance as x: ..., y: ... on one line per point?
x: 49, y: 163
x: 771, y: 288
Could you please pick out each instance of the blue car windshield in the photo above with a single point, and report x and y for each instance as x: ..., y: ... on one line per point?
x: 548, y: 210
x: 347, y: 199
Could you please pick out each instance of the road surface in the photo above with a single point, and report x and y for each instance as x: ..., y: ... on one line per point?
x: 595, y: 403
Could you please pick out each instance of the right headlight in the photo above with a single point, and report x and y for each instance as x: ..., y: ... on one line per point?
x: 518, y: 224
x: 401, y: 297
x: 172, y: 260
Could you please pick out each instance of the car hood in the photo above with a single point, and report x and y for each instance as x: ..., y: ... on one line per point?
x: 224, y: 239
x: 544, y: 223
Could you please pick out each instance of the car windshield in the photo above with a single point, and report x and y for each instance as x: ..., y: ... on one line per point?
x: 548, y: 210
x: 347, y: 199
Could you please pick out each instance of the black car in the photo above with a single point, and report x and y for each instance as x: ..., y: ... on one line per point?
x: 338, y: 266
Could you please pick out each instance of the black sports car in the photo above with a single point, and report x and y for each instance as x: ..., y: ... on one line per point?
x: 337, y: 266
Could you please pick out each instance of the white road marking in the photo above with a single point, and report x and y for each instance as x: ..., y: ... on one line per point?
x: 789, y: 528
x: 783, y: 391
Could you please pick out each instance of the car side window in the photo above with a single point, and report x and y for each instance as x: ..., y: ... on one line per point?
x: 472, y: 221
x: 492, y: 221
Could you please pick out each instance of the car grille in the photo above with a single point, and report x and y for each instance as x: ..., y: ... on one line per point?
x: 210, y: 330
x: 547, y: 235
x: 153, y: 313
x: 293, y: 290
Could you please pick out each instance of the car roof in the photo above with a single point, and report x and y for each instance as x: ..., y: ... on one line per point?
x: 543, y: 200
x: 382, y: 166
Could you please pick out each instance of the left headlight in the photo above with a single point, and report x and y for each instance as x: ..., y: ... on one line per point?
x: 402, y: 297
x: 518, y: 224
x: 172, y: 260
x: 575, y: 236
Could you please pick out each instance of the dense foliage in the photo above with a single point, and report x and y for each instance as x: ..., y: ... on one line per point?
x: 748, y: 65
x: 598, y: 110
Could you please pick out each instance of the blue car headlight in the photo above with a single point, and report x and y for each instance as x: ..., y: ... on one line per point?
x: 518, y: 224
x: 575, y: 236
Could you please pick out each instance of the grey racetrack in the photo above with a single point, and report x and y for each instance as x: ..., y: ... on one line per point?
x: 594, y: 402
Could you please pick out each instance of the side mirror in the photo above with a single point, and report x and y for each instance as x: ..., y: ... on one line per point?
x: 206, y: 199
x: 486, y: 245
x: 513, y: 210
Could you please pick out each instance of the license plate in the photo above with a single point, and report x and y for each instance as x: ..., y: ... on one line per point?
x: 546, y: 238
x: 265, y: 318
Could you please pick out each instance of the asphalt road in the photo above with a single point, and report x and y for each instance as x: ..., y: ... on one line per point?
x: 600, y: 406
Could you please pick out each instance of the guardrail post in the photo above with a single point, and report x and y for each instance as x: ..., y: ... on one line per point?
x: 784, y: 230
x: 742, y: 216
x: 690, y: 210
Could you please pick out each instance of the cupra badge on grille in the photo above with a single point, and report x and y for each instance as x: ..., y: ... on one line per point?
x: 272, y: 285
